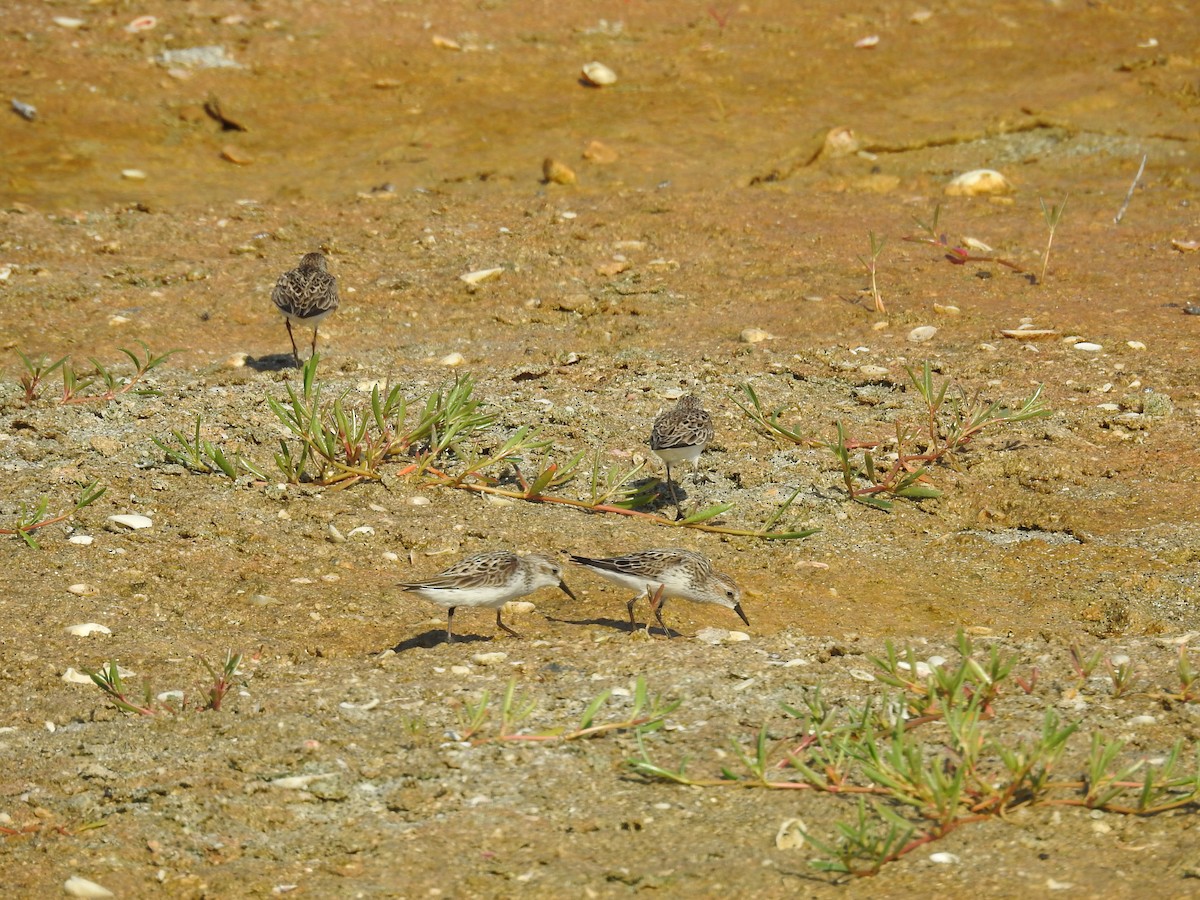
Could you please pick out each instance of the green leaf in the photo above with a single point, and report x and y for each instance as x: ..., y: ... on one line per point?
x: 704, y: 515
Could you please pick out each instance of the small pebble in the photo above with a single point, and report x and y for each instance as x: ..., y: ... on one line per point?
x: 83, y: 589
x: 133, y: 174
x: 418, y: 501
x: 976, y: 182
x: 600, y: 153
x: 489, y: 659
x: 82, y: 540
x: 711, y: 635
x: 452, y: 359
x: 1087, y: 346
x: 519, y: 607
x: 861, y: 675
x: 555, y: 172
x: 943, y: 859
x: 1135, y: 345
x: 922, y: 333
x: 754, y: 336
x: 1143, y: 720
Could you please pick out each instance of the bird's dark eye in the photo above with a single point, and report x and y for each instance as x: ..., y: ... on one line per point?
x: 729, y: 594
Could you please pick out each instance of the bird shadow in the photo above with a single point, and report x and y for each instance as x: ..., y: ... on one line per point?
x: 615, y: 624
x: 427, y: 640
x: 274, y: 362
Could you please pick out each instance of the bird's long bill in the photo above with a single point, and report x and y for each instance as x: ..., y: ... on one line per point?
x: 738, y: 609
x: 566, y: 590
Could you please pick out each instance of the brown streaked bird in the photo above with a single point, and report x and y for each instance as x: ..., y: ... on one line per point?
x: 306, y: 295
x: 488, y: 579
x: 667, y: 572
x: 680, y: 435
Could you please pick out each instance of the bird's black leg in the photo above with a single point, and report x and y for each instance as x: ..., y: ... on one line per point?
x: 500, y: 624
x: 292, y: 338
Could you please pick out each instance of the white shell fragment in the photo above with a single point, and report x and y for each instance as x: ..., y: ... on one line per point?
x: 68, y: 22
x: 83, y: 589
x: 1088, y: 346
x: 922, y: 333
x: 481, y: 275
x: 81, y: 539
x: 598, y: 74
x: 298, y: 782
x: 943, y: 859
x: 1025, y: 333
x: 133, y: 174
x: 791, y: 834
x: 74, y: 676
x: 130, y: 522
x: 87, y: 628
x: 364, y: 707
x: 81, y: 887
x: 978, y: 181
x: 452, y: 359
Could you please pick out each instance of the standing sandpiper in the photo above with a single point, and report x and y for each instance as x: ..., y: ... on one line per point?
x: 680, y: 435
x: 306, y: 295
x: 488, y: 579
x: 668, y: 572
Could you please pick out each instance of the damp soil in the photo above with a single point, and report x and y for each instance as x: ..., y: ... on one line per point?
x: 408, y: 141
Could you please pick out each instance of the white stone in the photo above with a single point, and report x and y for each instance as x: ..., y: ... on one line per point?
x: 922, y: 333
x: 452, y: 359
x: 83, y: 589
x: 1088, y: 346
x: 489, y: 659
x: 81, y: 540
x: 978, y: 181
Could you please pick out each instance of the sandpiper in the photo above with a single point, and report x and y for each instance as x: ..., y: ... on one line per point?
x: 662, y: 573
x: 680, y: 435
x: 306, y: 295
x: 488, y: 579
